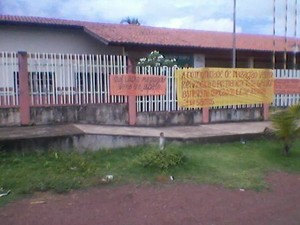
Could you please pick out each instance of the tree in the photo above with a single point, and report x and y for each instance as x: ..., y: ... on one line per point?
x: 132, y: 21
x: 286, y: 125
x: 156, y: 59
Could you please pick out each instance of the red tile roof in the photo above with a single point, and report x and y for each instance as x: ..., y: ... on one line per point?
x: 145, y: 35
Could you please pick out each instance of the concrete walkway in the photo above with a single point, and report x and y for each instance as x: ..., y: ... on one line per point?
x: 178, y: 132
x: 84, y: 137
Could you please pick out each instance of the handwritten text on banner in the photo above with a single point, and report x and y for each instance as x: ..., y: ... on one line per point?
x: 287, y: 86
x: 137, y: 85
x: 206, y: 87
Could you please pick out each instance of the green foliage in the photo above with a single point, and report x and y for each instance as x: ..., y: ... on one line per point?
x: 286, y: 124
x: 155, y: 59
x: 160, y: 159
x: 236, y: 165
x: 233, y: 165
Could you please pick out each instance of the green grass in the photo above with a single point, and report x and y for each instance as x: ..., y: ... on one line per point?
x: 232, y: 165
x: 235, y: 165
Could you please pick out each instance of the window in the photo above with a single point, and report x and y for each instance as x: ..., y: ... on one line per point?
x: 42, y: 82
x: 9, y: 84
x: 87, y: 82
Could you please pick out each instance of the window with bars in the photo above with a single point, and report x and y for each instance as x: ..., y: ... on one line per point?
x: 88, y: 82
x: 42, y: 82
x: 10, y: 85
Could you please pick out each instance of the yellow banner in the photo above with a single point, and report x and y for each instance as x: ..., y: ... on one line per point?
x: 206, y: 87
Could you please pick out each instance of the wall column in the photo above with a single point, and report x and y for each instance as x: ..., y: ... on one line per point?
x: 266, y: 111
x: 205, y: 115
x: 199, y: 62
x: 24, y: 88
x: 132, y: 110
x: 251, y: 62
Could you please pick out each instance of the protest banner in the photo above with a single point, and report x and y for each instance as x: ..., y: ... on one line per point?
x: 137, y: 85
x: 207, y: 87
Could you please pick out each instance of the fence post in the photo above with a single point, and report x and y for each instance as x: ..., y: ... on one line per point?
x: 24, y: 88
x: 266, y: 111
x: 205, y: 115
x: 132, y: 110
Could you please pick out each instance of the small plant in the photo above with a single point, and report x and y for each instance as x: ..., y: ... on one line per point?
x: 156, y: 59
x: 162, y: 160
x: 286, y: 124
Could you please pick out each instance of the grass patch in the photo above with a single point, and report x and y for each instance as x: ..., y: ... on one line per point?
x: 233, y: 165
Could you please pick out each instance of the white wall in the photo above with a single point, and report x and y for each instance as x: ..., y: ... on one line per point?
x: 51, y: 40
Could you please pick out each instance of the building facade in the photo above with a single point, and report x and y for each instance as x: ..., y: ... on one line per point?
x: 190, y: 47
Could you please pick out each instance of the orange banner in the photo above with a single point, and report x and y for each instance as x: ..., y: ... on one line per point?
x: 137, y: 85
x: 207, y: 87
x: 287, y: 86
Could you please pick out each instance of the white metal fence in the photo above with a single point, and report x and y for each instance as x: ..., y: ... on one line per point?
x: 9, y: 82
x: 65, y: 79
x: 57, y: 79
x: 169, y: 102
x: 284, y: 100
x: 166, y: 102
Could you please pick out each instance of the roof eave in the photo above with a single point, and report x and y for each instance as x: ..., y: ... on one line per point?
x: 99, y: 38
x: 131, y: 44
x: 52, y: 25
x: 18, y: 23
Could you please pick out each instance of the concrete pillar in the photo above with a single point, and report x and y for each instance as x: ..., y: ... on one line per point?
x: 205, y: 115
x: 24, y: 88
x: 199, y: 60
x: 132, y: 111
x: 266, y: 111
x: 251, y: 62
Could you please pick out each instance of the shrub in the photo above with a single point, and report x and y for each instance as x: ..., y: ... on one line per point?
x: 162, y: 160
x: 286, y: 124
x: 156, y: 59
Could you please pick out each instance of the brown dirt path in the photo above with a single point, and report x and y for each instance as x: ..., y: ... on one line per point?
x: 166, y: 204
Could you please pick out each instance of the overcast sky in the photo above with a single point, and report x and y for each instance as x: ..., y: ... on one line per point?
x: 253, y: 16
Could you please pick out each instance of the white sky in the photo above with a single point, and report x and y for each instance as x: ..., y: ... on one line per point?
x: 253, y: 16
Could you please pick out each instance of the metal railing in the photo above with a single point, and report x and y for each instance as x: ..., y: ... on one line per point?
x: 284, y: 100
x: 167, y: 102
x: 9, y: 79
x: 60, y: 79
x: 73, y: 79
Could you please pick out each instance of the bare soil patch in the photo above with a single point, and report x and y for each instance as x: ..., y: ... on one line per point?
x: 162, y: 204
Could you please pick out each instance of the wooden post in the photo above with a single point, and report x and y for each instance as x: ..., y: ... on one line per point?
x: 132, y: 111
x: 24, y: 88
x: 205, y: 115
x: 266, y: 111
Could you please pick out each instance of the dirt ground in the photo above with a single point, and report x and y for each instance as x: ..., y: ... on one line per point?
x: 162, y: 204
